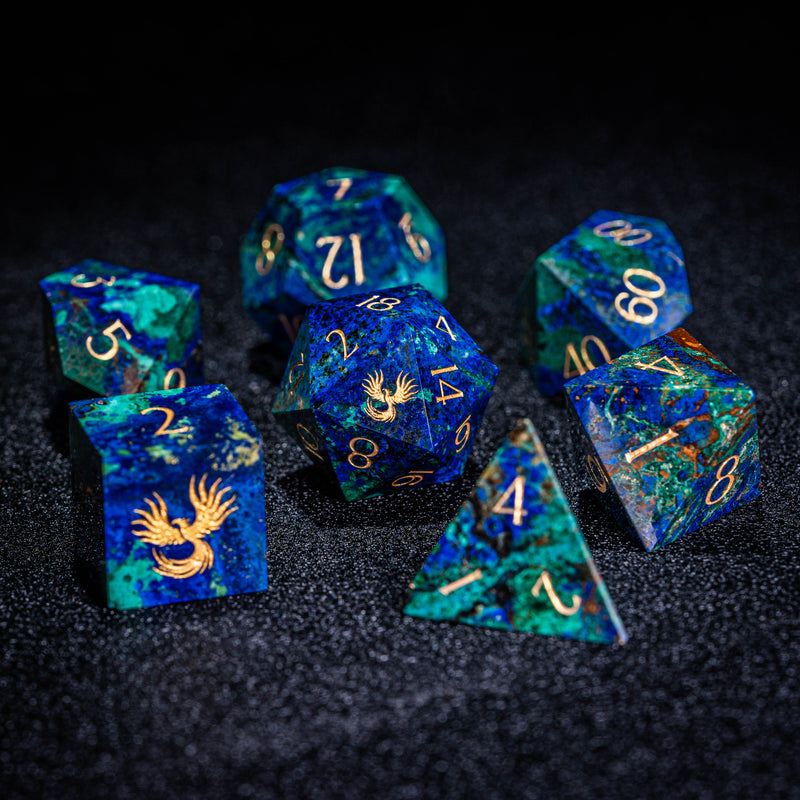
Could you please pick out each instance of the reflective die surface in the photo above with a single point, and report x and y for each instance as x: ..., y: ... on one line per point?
x: 336, y: 232
x: 612, y: 284
x: 669, y: 437
x: 168, y: 490
x: 384, y: 391
x: 114, y: 330
x: 514, y: 557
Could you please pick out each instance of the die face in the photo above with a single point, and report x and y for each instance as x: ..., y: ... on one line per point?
x: 182, y: 495
x: 395, y: 385
x: 513, y: 557
x: 114, y: 330
x: 335, y: 233
x: 670, y: 437
x: 612, y: 284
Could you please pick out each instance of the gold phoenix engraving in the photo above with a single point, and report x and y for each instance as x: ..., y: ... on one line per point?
x: 210, y: 512
x: 405, y: 390
x: 564, y: 610
x: 475, y: 575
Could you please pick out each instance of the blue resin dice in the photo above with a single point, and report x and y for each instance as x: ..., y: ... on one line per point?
x: 612, y: 284
x: 384, y: 391
x: 114, y: 330
x: 668, y: 437
x: 514, y: 557
x: 168, y: 490
x: 333, y: 233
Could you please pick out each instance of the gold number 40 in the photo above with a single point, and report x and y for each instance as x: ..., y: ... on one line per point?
x: 583, y: 362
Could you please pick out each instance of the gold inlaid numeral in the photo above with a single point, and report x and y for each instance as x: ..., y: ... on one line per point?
x: 335, y: 243
x: 546, y: 582
x: 357, y: 454
x: 412, y: 478
x: 175, y: 372
x: 723, y: 473
x: 165, y: 425
x: 668, y: 436
x: 340, y: 333
x: 271, y: 244
x: 471, y: 577
x: 622, y: 232
x: 597, y: 473
x: 309, y: 440
x: 83, y: 282
x: 676, y: 370
x: 108, y: 333
x: 343, y: 185
x: 294, y: 381
x: 639, y: 297
x: 517, y: 488
x: 378, y: 303
x: 455, y: 391
x: 442, y: 321
x: 462, y: 434
x: 419, y: 245
x: 583, y: 362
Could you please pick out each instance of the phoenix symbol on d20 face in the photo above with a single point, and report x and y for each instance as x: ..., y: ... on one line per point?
x: 373, y: 386
x: 210, y: 511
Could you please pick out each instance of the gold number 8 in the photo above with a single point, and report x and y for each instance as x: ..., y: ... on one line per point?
x: 269, y: 248
x: 368, y: 457
x: 723, y: 474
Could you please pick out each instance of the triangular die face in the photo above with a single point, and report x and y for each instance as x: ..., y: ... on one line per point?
x: 513, y: 557
x: 368, y: 378
x: 675, y: 362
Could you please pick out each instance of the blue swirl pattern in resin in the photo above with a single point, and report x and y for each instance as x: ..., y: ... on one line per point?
x: 669, y: 437
x: 514, y: 557
x: 612, y: 284
x: 334, y: 233
x: 169, y: 496
x: 384, y: 391
x: 114, y: 330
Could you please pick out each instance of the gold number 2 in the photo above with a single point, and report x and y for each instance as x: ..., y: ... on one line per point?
x: 546, y: 582
x: 165, y: 425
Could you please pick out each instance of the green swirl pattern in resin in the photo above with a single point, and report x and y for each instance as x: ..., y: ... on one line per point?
x: 114, y: 330
x: 669, y: 437
x: 514, y: 557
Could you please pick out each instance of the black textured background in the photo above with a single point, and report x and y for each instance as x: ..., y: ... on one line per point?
x: 153, y: 144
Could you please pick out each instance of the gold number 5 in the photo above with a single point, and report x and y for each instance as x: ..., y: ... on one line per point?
x: 109, y: 333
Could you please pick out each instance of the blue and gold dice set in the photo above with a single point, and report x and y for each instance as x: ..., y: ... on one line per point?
x: 384, y: 390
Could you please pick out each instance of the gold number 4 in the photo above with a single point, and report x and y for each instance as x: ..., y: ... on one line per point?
x: 456, y: 392
x: 517, y: 487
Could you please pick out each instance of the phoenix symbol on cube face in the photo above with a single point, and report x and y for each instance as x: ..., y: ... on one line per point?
x: 210, y: 512
x: 373, y: 386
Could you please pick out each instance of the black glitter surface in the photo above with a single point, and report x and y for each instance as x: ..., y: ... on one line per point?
x: 156, y: 154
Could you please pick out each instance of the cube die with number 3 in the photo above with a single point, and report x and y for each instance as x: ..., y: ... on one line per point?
x: 668, y: 437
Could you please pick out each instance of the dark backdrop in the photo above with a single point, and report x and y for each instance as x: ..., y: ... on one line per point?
x: 153, y: 144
